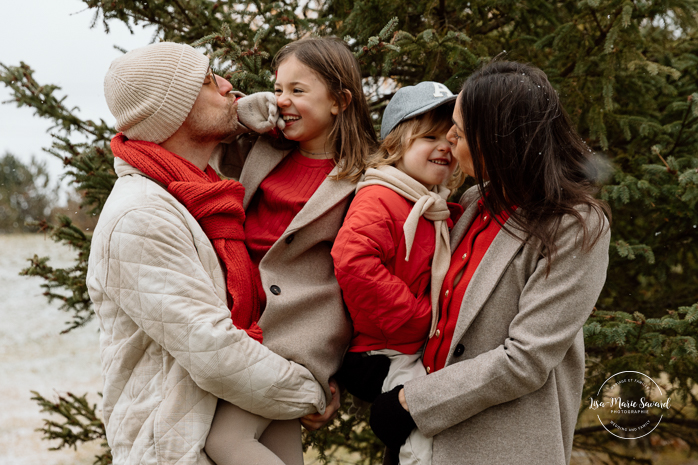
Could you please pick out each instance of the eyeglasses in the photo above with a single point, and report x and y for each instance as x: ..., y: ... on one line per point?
x: 211, y: 77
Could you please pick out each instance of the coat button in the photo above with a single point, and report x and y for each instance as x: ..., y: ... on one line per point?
x: 459, y: 350
x: 276, y: 290
x: 289, y: 238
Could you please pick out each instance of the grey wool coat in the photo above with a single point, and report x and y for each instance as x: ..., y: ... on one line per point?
x: 305, y: 319
x: 512, y: 384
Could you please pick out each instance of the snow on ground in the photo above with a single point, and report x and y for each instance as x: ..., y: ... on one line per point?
x: 34, y: 356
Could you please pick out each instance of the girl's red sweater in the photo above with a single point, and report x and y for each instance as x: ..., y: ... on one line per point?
x: 279, y: 198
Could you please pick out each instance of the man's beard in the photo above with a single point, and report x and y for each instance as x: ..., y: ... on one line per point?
x: 205, y: 126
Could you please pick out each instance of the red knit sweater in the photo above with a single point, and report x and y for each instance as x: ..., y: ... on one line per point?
x: 280, y: 197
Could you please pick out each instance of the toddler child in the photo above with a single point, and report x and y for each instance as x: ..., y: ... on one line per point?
x: 392, y: 253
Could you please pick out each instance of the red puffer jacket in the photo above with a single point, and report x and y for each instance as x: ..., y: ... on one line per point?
x: 388, y: 298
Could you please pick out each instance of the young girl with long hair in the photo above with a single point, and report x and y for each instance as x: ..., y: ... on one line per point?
x: 529, y: 261
x: 297, y: 191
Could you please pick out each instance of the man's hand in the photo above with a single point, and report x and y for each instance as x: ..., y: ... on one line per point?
x: 316, y: 421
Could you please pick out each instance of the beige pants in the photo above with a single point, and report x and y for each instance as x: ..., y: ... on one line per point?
x: 417, y: 449
x: 238, y: 437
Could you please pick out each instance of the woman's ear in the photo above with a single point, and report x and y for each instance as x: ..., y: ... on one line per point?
x: 345, y: 98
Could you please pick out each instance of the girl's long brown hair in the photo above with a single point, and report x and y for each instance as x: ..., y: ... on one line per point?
x: 353, y: 135
x: 528, y: 159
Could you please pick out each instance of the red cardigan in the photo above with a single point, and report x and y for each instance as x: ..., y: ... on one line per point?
x: 388, y: 298
x: 465, y: 260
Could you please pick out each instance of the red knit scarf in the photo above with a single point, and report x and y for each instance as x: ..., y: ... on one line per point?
x: 217, y: 206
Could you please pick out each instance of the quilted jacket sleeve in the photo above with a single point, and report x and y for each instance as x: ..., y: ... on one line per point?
x: 151, y: 269
x: 379, y: 302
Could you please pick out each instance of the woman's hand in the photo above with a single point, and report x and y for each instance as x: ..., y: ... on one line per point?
x: 315, y: 421
x: 403, y: 401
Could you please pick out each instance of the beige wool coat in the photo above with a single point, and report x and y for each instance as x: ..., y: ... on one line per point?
x: 305, y: 319
x: 169, y: 349
x: 512, y: 384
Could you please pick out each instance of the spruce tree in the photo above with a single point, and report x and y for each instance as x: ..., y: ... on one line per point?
x: 26, y: 194
x: 626, y: 71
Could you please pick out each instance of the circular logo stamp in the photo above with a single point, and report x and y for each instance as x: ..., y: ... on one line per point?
x: 630, y: 404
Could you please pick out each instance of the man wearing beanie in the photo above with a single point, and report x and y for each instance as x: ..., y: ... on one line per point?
x: 168, y: 269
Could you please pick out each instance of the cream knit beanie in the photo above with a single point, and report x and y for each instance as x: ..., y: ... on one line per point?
x: 151, y: 90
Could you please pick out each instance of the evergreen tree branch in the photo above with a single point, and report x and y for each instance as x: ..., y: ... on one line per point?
x: 441, y: 13
x: 79, y: 423
x: 498, y: 22
x: 602, y: 30
x: 76, y: 300
x: 28, y: 92
x: 134, y: 12
x: 603, y: 33
x: 183, y: 11
x: 683, y: 126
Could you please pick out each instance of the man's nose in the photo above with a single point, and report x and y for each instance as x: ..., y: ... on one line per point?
x: 223, y: 85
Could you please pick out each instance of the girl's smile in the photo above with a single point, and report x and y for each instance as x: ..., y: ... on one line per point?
x: 306, y: 107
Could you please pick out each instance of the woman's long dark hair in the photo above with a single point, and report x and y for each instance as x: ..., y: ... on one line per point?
x: 528, y: 159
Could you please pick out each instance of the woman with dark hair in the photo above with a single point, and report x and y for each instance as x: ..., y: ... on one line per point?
x: 529, y: 260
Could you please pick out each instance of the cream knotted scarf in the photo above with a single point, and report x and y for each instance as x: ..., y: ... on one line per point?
x: 428, y: 203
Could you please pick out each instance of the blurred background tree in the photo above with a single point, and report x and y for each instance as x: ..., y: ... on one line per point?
x: 26, y: 194
x: 626, y: 71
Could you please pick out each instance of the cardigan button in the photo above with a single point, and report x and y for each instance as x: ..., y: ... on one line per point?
x: 276, y: 290
x: 437, y: 333
x: 459, y: 350
x: 289, y: 238
x: 428, y: 370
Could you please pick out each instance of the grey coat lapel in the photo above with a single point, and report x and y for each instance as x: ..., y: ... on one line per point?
x: 262, y: 159
x: 329, y: 194
x: 499, y: 255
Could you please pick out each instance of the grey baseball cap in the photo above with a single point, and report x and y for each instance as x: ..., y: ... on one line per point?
x: 411, y: 101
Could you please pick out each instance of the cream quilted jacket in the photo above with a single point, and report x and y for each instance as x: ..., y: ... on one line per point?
x: 168, y: 346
